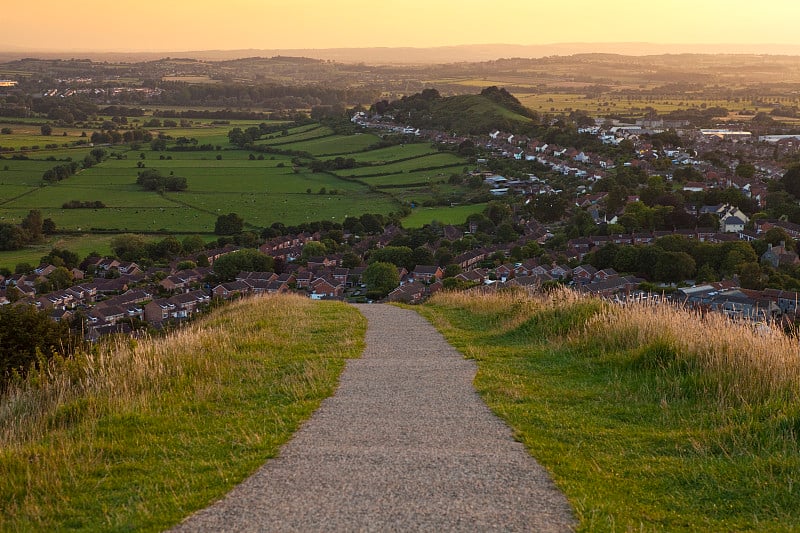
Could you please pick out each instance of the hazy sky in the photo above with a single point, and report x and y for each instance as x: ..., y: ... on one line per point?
x: 176, y: 25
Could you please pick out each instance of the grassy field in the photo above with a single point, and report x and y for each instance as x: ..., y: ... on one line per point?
x: 82, y: 245
x: 391, y: 153
x: 445, y: 215
x: 437, y: 175
x: 221, y: 181
x: 432, y: 160
x: 293, y: 135
x: 336, y: 144
x: 565, y: 102
x: 649, y: 418
x: 138, y: 435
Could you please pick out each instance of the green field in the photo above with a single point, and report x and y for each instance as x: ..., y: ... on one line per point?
x: 562, y: 102
x: 335, y: 144
x: 221, y: 181
x: 391, y: 153
x: 434, y: 160
x: 437, y: 175
x: 445, y: 215
x: 293, y: 135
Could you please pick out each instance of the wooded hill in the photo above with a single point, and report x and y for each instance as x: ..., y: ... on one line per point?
x: 492, y: 109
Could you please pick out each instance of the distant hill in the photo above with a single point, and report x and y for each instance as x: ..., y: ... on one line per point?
x: 418, y: 56
x: 492, y: 109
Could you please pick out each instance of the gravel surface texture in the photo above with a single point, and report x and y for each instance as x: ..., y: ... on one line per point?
x: 405, y: 444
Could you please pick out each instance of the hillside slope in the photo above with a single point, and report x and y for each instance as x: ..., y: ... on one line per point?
x: 492, y: 109
x: 137, y: 435
x: 650, y: 418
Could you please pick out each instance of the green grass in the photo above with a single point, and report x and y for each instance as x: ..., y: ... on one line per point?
x: 438, y: 175
x: 82, y: 245
x: 261, y: 191
x: 168, y: 426
x: 258, y: 190
x: 391, y: 153
x: 336, y: 144
x: 445, y: 215
x: 432, y: 160
x: 615, y: 103
x: 298, y: 134
x: 635, y: 441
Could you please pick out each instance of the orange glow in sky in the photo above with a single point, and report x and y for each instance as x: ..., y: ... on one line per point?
x: 175, y: 25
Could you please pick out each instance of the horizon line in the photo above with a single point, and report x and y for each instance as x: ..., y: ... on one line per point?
x: 6, y: 48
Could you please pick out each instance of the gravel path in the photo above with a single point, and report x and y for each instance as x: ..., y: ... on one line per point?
x: 405, y: 444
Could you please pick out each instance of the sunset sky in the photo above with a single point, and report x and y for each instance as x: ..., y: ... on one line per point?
x: 176, y: 25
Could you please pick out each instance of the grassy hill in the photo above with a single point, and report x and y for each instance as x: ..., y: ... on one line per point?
x: 137, y: 435
x: 649, y: 418
x: 492, y: 109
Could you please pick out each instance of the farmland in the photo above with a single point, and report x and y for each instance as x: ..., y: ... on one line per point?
x: 262, y: 190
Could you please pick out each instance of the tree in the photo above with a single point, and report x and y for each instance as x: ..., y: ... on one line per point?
x: 167, y: 248
x: 674, y: 267
x: 401, y: 256
x: 227, y: 266
x: 548, y: 207
x: 28, y: 334
x: 422, y: 256
x: 11, y: 237
x: 791, y: 181
x: 452, y: 270
x: 745, y: 170
x: 313, y: 249
x: 48, y: 226
x: 350, y: 260
x: 60, y: 278
x: 776, y: 235
x: 497, y: 212
x: 229, y: 224
x: 61, y: 257
x: 193, y: 243
x: 706, y: 273
x: 751, y: 276
x: 381, y: 278
x: 129, y: 247
x: 371, y: 223
x: 627, y: 259
x: 152, y: 180
x: 32, y: 224
x: 580, y: 224
x: 46, y: 130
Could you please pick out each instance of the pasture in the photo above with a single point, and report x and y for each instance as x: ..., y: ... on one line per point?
x: 334, y: 144
x: 261, y: 188
x: 444, y: 215
x: 610, y: 103
x: 432, y: 161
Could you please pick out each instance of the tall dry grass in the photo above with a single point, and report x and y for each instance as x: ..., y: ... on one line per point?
x: 739, y: 362
x: 128, y: 372
x: 736, y: 362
